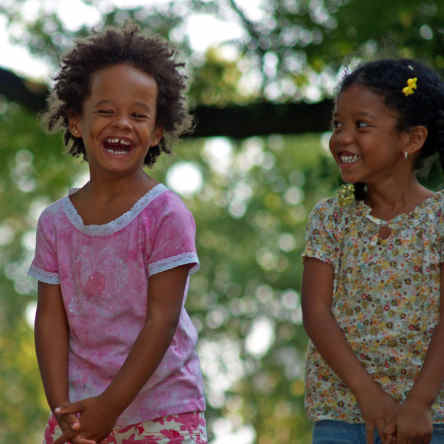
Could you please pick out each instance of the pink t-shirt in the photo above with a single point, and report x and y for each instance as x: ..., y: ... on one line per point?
x: 103, y: 271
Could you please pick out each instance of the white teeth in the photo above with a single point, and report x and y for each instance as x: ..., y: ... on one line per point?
x: 116, y: 152
x: 121, y: 141
x: 349, y: 159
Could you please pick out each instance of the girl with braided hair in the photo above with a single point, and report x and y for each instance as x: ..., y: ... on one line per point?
x: 373, y: 281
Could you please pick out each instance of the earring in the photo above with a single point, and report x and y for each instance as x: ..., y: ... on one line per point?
x: 406, y: 154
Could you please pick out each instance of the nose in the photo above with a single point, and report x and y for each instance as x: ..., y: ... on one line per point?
x: 342, y: 136
x: 122, y: 121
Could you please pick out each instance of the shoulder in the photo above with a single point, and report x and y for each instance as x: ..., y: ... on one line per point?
x: 435, y: 208
x: 50, y: 214
x: 329, y: 209
x: 329, y: 218
x: 167, y: 209
x: 166, y: 202
x: 432, y: 208
x: 440, y: 202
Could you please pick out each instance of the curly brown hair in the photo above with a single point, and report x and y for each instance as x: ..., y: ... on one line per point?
x: 113, y: 46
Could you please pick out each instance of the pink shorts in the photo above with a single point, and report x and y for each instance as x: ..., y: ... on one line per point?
x: 184, y: 428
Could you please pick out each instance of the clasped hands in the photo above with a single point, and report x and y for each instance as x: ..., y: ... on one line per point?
x: 407, y: 423
x: 88, y: 421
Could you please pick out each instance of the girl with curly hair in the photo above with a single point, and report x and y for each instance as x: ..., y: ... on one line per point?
x: 116, y: 347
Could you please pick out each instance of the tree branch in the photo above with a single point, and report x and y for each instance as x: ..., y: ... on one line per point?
x: 235, y: 121
x: 31, y: 95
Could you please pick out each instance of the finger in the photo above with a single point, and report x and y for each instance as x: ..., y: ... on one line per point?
x: 401, y: 438
x: 73, y: 421
x: 369, y: 433
x: 389, y: 433
x: 380, y: 426
x: 80, y: 440
x: 428, y: 438
x: 66, y: 436
x: 75, y: 407
x: 388, y: 439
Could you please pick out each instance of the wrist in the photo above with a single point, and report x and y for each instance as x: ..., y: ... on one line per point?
x: 364, y: 388
x: 114, y: 404
x: 58, y: 402
x: 419, y: 399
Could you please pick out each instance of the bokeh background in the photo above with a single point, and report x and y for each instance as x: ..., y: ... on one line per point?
x: 262, y: 79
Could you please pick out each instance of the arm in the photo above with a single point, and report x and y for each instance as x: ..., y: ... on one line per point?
x: 415, y: 419
x: 51, y: 341
x: 99, y: 414
x: 377, y: 408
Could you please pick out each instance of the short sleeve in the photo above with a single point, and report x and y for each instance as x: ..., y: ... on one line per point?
x: 440, y: 216
x: 321, y: 235
x: 173, y: 237
x: 44, y: 267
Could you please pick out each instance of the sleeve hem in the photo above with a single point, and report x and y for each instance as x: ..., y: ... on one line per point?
x: 173, y: 262
x: 317, y: 255
x: 43, y: 276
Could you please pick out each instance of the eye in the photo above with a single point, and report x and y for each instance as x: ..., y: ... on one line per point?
x: 105, y: 112
x: 361, y: 124
x: 335, y: 124
x: 139, y: 116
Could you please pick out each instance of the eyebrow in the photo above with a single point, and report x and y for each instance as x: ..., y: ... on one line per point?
x: 109, y: 102
x: 358, y: 114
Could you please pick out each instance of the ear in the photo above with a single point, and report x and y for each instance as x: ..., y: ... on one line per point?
x: 156, y: 136
x: 416, y: 137
x: 74, y: 125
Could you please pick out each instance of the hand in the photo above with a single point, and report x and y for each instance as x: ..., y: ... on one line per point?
x: 97, y: 420
x: 414, y: 423
x: 379, y: 411
x: 70, y: 425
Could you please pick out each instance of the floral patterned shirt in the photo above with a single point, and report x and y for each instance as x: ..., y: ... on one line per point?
x: 386, y: 296
x: 103, y: 272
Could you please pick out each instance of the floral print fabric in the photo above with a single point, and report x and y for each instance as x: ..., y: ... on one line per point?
x: 186, y: 428
x: 386, y: 296
x: 103, y: 272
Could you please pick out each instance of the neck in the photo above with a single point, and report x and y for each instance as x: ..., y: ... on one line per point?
x: 109, y: 187
x: 390, y: 199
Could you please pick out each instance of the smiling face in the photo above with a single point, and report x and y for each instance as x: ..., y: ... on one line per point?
x: 118, y: 120
x: 366, y: 143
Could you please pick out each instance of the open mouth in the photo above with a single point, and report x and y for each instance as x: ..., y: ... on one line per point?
x: 117, y: 146
x: 349, y: 158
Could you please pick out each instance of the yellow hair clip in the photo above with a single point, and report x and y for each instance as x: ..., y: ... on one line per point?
x: 346, y: 195
x: 411, y: 86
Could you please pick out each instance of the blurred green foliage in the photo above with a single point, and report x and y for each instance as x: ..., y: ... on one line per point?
x: 250, y: 211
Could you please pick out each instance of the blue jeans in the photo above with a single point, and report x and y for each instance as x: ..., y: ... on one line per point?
x: 339, y: 432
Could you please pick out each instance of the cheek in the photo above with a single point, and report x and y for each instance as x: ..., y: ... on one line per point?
x: 331, y: 144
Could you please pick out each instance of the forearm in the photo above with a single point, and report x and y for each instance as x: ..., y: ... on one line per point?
x: 142, y: 361
x: 330, y: 341
x: 51, y: 341
x: 166, y: 291
x: 431, y: 378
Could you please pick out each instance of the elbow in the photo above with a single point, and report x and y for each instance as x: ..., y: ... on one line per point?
x: 163, y: 322
x: 306, y: 319
x: 306, y: 322
x: 314, y: 317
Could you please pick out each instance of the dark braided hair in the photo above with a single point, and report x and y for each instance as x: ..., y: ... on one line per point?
x: 425, y: 106
x: 113, y: 46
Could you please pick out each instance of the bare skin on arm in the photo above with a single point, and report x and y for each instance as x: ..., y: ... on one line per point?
x: 99, y: 414
x: 414, y: 420
x: 51, y: 340
x: 378, y: 409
